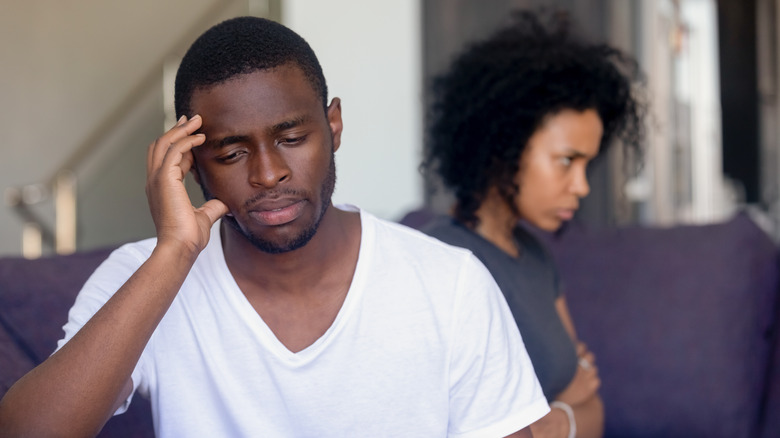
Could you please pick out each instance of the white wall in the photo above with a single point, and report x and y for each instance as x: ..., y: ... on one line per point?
x: 370, y: 54
x: 698, y: 83
x: 65, y: 66
x: 683, y: 180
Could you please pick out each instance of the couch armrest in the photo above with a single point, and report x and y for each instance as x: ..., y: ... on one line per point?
x: 35, y: 296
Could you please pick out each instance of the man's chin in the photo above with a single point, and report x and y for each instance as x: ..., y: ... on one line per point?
x: 269, y: 247
x: 278, y: 244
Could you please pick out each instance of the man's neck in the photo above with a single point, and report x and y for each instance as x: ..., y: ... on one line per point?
x: 298, y: 293
x: 332, y: 250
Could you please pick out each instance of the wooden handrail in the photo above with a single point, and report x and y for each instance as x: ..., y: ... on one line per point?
x: 61, y: 184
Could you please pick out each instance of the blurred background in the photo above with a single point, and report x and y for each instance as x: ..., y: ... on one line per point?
x: 87, y: 85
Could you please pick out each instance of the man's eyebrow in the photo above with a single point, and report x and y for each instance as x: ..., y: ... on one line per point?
x: 275, y: 129
x: 289, y: 124
x: 220, y: 143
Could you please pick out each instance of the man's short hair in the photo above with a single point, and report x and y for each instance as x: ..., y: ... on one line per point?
x: 240, y: 46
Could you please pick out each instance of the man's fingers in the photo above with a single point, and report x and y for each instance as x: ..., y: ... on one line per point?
x: 160, y: 147
x: 213, y: 209
x: 186, y: 163
x: 171, y: 139
x: 180, y: 154
x: 154, y: 145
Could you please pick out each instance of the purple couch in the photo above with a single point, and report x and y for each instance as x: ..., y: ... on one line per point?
x: 683, y: 322
x: 35, y: 296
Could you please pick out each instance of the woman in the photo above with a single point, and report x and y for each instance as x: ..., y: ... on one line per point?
x: 514, y: 124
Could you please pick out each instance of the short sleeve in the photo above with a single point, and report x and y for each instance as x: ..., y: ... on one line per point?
x: 494, y: 391
x: 98, y: 289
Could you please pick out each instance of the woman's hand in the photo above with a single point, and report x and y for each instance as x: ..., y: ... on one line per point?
x: 586, y: 381
x: 582, y: 396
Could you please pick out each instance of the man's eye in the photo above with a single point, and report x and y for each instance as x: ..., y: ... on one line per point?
x: 229, y: 158
x: 292, y: 140
x: 566, y: 161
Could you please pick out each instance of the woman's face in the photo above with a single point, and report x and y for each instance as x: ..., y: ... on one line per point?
x: 552, y: 176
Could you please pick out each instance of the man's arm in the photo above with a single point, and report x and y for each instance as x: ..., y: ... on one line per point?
x: 76, y: 390
x: 523, y: 433
x: 495, y: 391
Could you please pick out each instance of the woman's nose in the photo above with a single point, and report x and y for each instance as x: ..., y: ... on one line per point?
x: 579, y: 184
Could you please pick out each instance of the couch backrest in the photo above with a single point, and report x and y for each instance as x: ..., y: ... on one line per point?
x: 14, y: 363
x: 35, y: 296
x: 681, y: 321
x: 770, y: 419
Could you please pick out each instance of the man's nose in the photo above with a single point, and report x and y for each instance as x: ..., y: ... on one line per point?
x: 268, y: 167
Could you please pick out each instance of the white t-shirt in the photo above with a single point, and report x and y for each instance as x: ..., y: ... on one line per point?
x: 423, y: 346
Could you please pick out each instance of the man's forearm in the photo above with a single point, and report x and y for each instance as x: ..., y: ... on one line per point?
x: 76, y: 390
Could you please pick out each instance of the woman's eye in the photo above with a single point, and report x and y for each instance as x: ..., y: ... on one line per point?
x: 566, y: 161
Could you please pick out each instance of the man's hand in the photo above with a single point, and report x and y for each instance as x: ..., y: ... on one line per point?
x: 77, y: 389
x: 169, y: 159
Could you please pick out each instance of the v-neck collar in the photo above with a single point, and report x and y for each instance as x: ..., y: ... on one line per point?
x: 257, y: 325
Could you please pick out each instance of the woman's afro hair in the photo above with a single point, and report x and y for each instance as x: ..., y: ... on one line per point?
x: 499, y: 91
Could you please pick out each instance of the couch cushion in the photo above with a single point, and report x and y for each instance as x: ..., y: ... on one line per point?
x: 770, y: 427
x: 14, y: 363
x: 35, y: 296
x: 678, y: 319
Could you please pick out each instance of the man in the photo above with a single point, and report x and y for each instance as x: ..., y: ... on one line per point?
x: 268, y: 311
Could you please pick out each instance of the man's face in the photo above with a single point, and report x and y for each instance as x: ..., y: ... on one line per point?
x: 268, y: 155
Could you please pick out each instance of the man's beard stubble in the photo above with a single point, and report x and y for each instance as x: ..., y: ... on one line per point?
x: 326, y: 191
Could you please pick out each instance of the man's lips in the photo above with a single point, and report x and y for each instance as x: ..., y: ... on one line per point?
x: 277, y: 211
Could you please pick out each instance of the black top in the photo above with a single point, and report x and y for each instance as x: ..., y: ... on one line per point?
x: 530, y: 284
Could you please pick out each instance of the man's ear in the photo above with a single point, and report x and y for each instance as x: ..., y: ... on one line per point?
x: 334, y: 122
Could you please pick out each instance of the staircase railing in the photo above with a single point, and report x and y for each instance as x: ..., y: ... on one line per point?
x: 61, y: 186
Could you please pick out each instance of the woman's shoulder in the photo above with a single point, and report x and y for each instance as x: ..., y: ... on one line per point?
x: 451, y: 231
x: 532, y: 244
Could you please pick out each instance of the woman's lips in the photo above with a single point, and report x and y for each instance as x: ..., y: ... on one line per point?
x: 565, y: 214
x: 274, y: 214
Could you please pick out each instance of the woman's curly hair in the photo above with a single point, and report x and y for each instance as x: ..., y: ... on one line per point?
x: 499, y: 91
